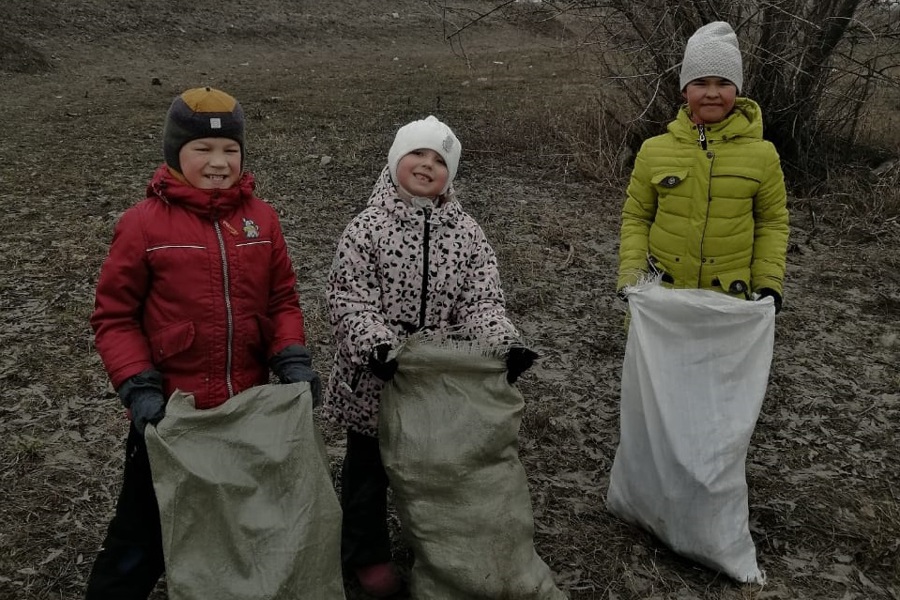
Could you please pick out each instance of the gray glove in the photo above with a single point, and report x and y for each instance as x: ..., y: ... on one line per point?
x: 143, y: 395
x: 294, y: 364
x: 147, y: 408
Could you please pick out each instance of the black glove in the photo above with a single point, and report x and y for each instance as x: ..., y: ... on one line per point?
x: 763, y: 292
x: 381, y: 367
x: 147, y: 408
x: 293, y: 365
x: 143, y: 394
x: 518, y: 360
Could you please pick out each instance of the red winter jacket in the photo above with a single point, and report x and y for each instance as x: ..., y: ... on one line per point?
x: 199, y: 286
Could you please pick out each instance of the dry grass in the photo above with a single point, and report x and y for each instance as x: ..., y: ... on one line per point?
x: 823, y: 463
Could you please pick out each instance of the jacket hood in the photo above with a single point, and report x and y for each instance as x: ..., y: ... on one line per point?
x: 386, y: 197
x: 210, y: 203
x: 744, y: 121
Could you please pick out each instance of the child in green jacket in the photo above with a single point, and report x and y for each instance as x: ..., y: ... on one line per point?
x: 706, y: 204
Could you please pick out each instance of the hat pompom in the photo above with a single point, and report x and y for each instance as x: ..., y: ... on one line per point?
x: 427, y: 133
x: 713, y: 52
x: 200, y: 113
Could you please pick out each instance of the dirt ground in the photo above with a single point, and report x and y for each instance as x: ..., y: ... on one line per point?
x: 83, y: 92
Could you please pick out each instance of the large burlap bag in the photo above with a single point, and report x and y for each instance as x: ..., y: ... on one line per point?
x: 693, y: 381
x: 448, y: 429
x: 246, y: 500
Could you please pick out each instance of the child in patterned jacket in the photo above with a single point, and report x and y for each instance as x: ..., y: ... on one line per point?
x: 413, y: 260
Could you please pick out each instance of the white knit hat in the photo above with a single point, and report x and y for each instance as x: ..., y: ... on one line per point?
x: 713, y: 52
x: 426, y: 133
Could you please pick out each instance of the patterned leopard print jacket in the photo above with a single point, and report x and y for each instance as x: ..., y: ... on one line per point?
x: 375, y: 291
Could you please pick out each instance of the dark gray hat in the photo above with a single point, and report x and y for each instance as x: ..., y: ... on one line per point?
x: 200, y: 113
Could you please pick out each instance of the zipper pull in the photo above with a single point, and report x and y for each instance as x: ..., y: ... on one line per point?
x: 701, y: 135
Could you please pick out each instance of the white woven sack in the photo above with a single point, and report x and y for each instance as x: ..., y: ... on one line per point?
x: 693, y: 381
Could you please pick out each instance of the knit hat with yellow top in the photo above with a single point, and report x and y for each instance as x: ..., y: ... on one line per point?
x: 200, y: 113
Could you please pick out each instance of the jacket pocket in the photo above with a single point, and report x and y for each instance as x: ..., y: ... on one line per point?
x: 655, y: 267
x: 736, y: 283
x: 171, y: 340
x: 256, y: 335
x: 266, y: 330
x: 669, y: 179
x: 736, y: 184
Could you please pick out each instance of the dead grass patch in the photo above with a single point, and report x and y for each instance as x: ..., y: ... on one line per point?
x: 822, y: 469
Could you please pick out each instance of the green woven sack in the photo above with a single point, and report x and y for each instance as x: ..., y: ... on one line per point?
x: 448, y: 430
x: 246, y: 501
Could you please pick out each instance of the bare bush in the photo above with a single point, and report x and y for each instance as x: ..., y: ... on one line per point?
x: 813, y: 65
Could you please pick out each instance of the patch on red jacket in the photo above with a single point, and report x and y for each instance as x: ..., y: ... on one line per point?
x: 251, y: 229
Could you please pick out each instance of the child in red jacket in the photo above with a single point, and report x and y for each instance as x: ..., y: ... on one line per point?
x: 198, y: 294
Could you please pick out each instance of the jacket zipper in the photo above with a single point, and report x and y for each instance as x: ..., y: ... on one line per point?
x: 711, y: 158
x: 228, y: 314
x: 425, y: 243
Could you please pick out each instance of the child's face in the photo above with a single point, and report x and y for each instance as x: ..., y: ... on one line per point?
x: 211, y: 163
x: 423, y: 172
x: 710, y: 99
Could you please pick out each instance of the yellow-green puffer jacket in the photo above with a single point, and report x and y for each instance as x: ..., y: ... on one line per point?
x: 714, y: 218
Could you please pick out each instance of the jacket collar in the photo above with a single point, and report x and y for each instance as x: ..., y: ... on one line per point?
x: 212, y: 204
x: 386, y: 197
x: 745, y: 121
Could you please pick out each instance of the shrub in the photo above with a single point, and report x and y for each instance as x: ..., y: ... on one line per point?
x: 814, y: 66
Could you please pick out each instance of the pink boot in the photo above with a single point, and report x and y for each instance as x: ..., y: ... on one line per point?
x: 380, y: 580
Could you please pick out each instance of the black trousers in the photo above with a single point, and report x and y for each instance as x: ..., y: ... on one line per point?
x: 365, y: 539
x: 131, y: 560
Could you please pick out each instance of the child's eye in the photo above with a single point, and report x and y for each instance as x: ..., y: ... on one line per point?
x: 442, y: 161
